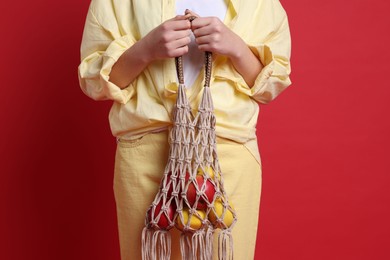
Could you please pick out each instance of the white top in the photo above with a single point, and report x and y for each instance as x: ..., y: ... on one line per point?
x: 193, y: 61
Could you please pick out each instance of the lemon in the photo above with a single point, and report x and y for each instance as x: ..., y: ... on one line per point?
x: 194, y: 222
x: 208, y: 169
x: 217, y: 212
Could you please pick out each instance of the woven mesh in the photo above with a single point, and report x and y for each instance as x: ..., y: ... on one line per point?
x: 191, y: 195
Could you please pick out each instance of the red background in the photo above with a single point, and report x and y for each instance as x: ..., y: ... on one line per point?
x: 324, y: 142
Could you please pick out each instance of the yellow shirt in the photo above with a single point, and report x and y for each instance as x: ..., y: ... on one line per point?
x: 145, y: 105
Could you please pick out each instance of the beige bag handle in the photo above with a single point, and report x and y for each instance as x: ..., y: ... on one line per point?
x: 207, y: 65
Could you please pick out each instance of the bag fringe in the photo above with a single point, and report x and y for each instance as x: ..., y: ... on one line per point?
x: 209, y: 242
x: 225, y: 245
x: 185, y: 246
x: 197, y: 245
x: 156, y: 244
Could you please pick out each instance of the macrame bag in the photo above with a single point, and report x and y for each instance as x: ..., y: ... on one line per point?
x: 191, y: 196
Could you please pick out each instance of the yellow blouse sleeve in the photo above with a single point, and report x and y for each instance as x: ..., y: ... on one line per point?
x: 274, y: 53
x: 102, y: 45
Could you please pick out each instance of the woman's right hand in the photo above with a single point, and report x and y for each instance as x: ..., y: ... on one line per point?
x: 168, y: 40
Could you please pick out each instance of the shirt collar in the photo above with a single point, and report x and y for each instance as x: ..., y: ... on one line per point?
x: 233, y: 9
x: 235, y: 5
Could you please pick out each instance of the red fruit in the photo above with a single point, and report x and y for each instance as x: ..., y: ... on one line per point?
x: 163, y: 221
x: 207, y: 191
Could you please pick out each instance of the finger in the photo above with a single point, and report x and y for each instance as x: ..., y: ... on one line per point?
x: 181, y: 34
x: 210, y: 47
x: 175, y: 43
x: 177, y: 51
x: 204, y: 40
x: 179, y: 17
x: 205, y: 47
x: 200, y: 22
x: 181, y: 25
x: 209, y: 43
x: 177, y: 23
x: 181, y: 42
x: 180, y: 51
x: 202, y: 31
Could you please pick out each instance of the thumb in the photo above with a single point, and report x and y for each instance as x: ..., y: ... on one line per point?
x: 188, y: 13
x: 180, y: 18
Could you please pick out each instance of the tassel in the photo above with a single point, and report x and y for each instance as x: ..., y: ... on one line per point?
x: 209, y: 243
x: 198, y: 245
x: 156, y: 244
x: 185, y: 246
x: 146, y: 243
x: 225, y: 250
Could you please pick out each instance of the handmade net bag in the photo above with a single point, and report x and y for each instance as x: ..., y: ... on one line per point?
x: 191, y: 196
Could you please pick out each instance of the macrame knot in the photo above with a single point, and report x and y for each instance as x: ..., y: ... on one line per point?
x: 164, y: 208
x: 192, y: 211
x: 205, y: 222
x: 176, y: 142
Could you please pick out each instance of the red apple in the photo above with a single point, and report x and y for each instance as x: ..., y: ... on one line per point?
x: 163, y: 221
x: 206, y: 192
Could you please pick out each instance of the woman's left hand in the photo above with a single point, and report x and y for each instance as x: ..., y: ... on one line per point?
x: 212, y: 35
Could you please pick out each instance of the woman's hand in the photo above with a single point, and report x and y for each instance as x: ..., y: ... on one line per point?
x: 168, y: 40
x: 212, y: 35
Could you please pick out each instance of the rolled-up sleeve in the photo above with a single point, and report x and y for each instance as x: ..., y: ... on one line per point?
x: 101, y: 47
x: 274, y: 53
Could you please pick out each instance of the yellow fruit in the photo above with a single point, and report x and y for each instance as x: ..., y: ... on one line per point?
x: 219, y: 209
x: 194, y: 222
x: 208, y: 169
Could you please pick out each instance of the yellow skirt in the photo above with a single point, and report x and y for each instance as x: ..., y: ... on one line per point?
x: 139, y: 167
